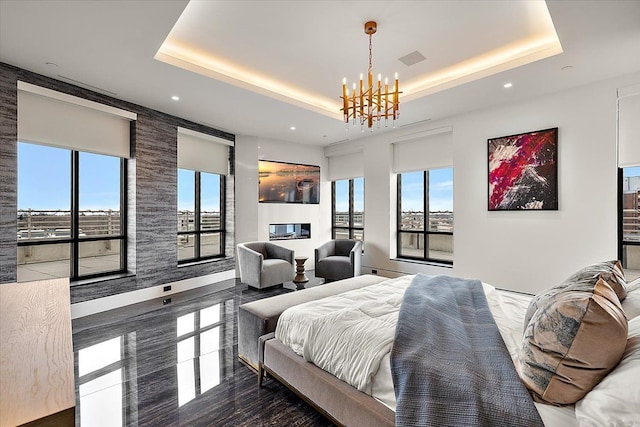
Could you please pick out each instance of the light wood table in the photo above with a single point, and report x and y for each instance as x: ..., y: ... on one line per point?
x: 36, y: 351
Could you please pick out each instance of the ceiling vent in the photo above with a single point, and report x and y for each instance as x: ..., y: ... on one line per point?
x: 412, y: 58
x: 87, y: 85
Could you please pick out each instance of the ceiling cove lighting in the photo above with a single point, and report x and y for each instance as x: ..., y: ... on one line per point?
x: 374, y: 102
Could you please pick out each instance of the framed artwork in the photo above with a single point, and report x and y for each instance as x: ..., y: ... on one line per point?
x: 280, y: 182
x: 523, y: 171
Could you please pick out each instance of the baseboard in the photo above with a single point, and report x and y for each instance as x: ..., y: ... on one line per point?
x: 98, y: 305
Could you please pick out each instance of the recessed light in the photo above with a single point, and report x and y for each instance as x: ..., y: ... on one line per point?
x: 508, y: 85
x: 175, y: 98
x: 292, y: 128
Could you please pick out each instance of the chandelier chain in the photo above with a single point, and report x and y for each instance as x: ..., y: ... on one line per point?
x: 370, y: 56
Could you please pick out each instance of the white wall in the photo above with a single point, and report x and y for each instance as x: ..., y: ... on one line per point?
x: 253, y: 218
x: 527, y: 251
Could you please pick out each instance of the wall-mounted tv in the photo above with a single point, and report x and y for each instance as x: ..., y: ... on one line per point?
x: 280, y: 182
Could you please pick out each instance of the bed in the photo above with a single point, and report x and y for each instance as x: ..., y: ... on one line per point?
x: 284, y: 355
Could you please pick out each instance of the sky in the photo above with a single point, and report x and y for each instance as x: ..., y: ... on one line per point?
x: 210, y: 188
x: 633, y: 171
x: 44, y: 181
x: 440, y: 196
x: 440, y: 190
x: 44, y: 184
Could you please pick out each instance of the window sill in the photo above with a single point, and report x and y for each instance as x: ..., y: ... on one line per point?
x: 204, y: 261
x: 99, y: 279
x: 423, y: 262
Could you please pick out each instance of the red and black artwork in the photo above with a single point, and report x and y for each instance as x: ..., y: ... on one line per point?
x: 523, y: 171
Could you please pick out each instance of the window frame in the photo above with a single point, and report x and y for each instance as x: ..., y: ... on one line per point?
x: 197, y: 232
x: 74, y: 239
x: 425, y: 232
x: 622, y: 243
x: 351, y: 228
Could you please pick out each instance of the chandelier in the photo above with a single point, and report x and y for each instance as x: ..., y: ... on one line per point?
x: 373, y: 102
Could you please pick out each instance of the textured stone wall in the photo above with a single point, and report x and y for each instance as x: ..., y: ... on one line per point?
x: 8, y: 174
x: 152, y: 193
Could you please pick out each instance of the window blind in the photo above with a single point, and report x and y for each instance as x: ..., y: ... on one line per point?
x: 629, y: 126
x: 204, y: 153
x: 428, y: 150
x: 57, y: 119
x: 346, y: 160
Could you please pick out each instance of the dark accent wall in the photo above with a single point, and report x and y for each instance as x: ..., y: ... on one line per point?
x: 152, y: 193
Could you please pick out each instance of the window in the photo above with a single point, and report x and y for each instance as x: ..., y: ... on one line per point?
x: 71, y: 213
x: 201, y: 219
x: 630, y: 218
x: 348, y: 209
x: 425, y: 215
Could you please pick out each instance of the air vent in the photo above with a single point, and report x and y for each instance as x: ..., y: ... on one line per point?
x: 87, y: 86
x: 412, y: 58
x: 415, y: 123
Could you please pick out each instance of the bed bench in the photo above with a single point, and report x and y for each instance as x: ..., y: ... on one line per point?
x: 260, y: 317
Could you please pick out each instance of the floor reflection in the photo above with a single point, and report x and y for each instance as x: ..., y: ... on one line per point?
x: 176, y: 365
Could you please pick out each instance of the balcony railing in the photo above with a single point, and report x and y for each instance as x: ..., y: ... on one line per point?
x: 46, y: 224
x: 209, y: 220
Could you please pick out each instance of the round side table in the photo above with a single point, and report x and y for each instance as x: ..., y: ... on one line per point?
x: 300, y: 278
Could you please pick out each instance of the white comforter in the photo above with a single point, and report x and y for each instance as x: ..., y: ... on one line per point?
x: 350, y: 335
x: 351, y: 332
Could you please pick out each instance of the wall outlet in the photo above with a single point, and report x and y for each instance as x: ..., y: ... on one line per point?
x: 374, y: 271
x: 166, y: 301
x: 167, y: 288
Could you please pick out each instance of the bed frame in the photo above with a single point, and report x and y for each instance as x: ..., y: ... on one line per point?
x: 341, y: 403
x: 262, y: 352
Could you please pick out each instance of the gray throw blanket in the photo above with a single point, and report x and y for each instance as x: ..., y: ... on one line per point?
x: 449, y: 364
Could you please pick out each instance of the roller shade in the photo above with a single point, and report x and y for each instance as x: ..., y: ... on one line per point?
x: 204, y: 153
x: 346, y: 166
x: 61, y: 120
x: 346, y: 160
x: 428, y: 150
x: 629, y: 126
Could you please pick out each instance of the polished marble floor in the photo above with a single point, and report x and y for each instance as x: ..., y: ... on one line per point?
x: 151, y: 364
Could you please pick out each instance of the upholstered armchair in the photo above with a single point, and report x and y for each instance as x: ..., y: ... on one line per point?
x: 263, y: 264
x: 338, y: 259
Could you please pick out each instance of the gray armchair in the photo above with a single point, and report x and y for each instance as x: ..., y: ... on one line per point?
x: 263, y: 264
x: 338, y: 259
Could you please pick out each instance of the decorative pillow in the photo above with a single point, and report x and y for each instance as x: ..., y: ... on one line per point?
x: 584, y: 280
x: 571, y: 342
x: 616, y: 400
x: 631, y: 304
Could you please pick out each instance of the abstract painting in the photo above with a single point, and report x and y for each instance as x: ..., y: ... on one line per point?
x: 523, y: 171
